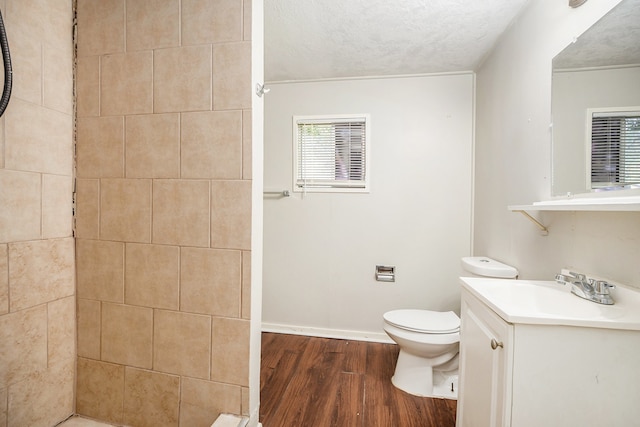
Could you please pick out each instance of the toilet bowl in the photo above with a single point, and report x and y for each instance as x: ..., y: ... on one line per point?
x: 429, y: 340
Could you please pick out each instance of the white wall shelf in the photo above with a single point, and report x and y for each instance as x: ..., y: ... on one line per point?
x: 583, y: 204
x: 602, y: 204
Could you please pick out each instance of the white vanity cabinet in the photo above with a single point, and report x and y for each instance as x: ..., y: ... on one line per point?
x: 485, y: 361
x: 544, y: 374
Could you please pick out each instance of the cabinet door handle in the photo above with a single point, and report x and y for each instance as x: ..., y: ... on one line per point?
x: 495, y: 344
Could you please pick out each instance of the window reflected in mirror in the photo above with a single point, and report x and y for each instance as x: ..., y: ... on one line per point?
x: 614, y: 144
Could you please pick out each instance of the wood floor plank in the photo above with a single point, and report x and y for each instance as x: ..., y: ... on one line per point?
x: 274, y: 344
x: 278, y: 379
x: 310, y: 381
x: 349, y: 402
x: 381, y: 406
x: 299, y: 402
x: 355, y: 357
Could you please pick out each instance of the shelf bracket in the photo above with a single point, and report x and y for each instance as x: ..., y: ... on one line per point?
x: 543, y: 230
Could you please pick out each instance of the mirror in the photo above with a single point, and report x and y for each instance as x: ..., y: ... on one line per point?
x: 601, y: 70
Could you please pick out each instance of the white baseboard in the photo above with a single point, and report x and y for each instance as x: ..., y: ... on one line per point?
x: 327, y: 333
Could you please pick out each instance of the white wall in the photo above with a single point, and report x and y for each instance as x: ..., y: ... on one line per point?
x: 320, y: 250
x: 513, y: 157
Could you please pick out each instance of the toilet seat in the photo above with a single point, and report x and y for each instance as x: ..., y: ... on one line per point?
x: 424, y: 321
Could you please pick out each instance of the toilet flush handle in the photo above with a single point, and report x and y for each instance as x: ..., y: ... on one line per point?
x: 495, y: 344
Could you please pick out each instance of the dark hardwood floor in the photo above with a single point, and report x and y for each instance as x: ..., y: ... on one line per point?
x: 321, y: 382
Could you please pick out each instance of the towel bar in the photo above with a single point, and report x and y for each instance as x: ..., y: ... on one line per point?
x: 284, y: 193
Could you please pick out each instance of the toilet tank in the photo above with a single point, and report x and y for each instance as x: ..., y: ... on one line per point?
x: 487, y: 267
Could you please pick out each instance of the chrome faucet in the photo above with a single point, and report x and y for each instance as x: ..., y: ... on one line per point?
x: 589, y: 289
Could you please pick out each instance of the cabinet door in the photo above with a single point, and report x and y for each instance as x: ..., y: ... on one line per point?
x: 484, y: 370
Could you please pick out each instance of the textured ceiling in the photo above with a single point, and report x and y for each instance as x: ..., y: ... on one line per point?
x: 319, y: 39
x: 613, y: 40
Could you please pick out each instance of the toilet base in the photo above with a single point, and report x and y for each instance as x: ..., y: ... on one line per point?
x: 415, y: 375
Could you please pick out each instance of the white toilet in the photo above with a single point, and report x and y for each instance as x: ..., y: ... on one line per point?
x: 429, y: 340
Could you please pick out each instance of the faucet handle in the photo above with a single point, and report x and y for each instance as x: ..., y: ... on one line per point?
x: 578, y: 276
x: 561, y: 278
x: 602, y: 287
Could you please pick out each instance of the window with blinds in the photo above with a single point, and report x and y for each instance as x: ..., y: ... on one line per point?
x: 331, y: 153
x: 615, y: 148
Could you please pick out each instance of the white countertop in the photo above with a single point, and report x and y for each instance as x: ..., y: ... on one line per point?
x: 548, y: 303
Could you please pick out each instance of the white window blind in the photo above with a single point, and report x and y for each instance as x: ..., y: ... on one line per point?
x: 331, y: 153
x: 615, y: 148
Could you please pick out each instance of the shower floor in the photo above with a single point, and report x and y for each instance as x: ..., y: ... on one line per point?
x: 82, y: 422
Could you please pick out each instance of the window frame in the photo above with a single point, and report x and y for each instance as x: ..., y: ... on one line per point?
x: 335, y: 188
x: 604, y: 111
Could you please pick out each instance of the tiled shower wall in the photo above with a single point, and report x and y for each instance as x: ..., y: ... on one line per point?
x: 37, y: 290
x: 163, y: 210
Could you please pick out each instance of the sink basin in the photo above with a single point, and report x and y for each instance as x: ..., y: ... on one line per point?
x: 546, y: 302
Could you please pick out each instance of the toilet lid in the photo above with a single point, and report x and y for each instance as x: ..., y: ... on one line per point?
x: 434, y: 322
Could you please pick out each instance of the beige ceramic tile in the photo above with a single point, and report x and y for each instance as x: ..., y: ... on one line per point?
x: 206, y: 22
x: 100, y: 147
x: 57, y: 6
x: 61, y: 7
x: 44, y: 398
x: 59, y: 24
x: 17, y: 11
x: 40, y: 271
x: 58, y: 79
x: 28, y: 129
x: 61, y: 318
x: 153, y: 146
x: 202, y: 401
x: 4, y: 279
x: 88, y: 86
x: 230, y: 351
x: 182, y: 79
x: 211, y: 145
x: 26, y: 60
x: 89, y: 315
x: 182, y: 343
x: 125, y: 210
x: 3, y: 407
x: 100, y: 27
x: 127, y: 334
x: 152, y: 24
x: 126, y: 85
x: 151, y: 399
x: 246, y: 30
x: 247, y: 140
x: 152, y: 275
x: 181, y: 212
x: 100, y: 390
x: 231, y: 214
x: 20, y: 205
x: 57, y: 206
x: 88, y: 208
x: 246, y: 285
x: 1, y: 143
x: 24, y: 344
x: 43, y: 20
x: 232, y: 76
x: 210, y: 281
x: 246, y: 408
x: 100, y: 270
